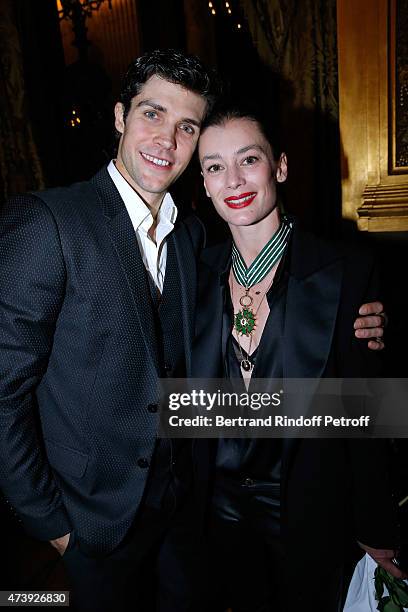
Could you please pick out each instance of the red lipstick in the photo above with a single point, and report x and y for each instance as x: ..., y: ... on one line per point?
x: 241, y: 201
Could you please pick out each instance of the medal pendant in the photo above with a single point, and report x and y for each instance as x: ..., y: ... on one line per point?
x: 246, y: 300
x: 246, y: 365
x: 244, y: 321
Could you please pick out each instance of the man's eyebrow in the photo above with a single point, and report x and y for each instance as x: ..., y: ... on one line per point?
x: 162, y: 109
x: 192, y: 121
x: 152, y: 104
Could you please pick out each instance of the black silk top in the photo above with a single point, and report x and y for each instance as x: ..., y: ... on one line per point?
x: 248, y: 471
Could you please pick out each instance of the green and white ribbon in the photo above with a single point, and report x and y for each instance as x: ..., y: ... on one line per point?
x: 264, y: 261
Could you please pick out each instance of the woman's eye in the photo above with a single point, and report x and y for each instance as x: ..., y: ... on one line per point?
x: 214, y: 168
x: 151, y: 114
x: 187, y: 128
x: 248, y: 161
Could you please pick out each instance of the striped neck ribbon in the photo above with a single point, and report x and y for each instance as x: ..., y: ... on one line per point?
x: 264, y: 261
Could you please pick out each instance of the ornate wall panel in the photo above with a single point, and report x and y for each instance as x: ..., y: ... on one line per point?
x: 399, y: 86
x: 373, y: 93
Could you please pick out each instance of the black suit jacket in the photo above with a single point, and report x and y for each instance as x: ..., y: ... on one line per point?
x: 79, y: 363
x: 332, y: 490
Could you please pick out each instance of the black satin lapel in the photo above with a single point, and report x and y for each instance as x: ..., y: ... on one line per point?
x: 311, y: 311
x: 210, y: 331
x: 187, y: 266
x: 207, y: 347
x: 226, y: 321
x: 124, y: 240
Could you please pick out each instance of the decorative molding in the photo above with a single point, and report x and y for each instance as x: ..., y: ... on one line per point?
x: 374, y: 190
x: 384, y: 208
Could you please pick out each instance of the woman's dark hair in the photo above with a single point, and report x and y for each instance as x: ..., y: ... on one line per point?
x: 173, y: 66
x: 225, y: 111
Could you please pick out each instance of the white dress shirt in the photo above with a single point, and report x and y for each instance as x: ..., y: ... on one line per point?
x: 154, y: 254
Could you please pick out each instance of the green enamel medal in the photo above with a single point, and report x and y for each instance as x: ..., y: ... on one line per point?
x: 245, y: 321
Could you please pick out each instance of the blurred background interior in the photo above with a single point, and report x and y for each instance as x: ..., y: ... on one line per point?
x: 335, y: 77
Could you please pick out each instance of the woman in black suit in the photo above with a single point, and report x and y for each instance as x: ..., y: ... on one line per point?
x: 282, y: 305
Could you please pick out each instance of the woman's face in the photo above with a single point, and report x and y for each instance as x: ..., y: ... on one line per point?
x: 239, y: 171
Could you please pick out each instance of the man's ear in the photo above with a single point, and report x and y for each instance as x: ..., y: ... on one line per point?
x: 282, y: 169
x: 119, y: 120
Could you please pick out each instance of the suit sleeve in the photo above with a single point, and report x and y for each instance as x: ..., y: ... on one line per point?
x: 32, y: 284
x: 375, y: 508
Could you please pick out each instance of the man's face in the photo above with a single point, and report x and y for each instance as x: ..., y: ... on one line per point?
x: 240, y: 173
x: 158, y: 136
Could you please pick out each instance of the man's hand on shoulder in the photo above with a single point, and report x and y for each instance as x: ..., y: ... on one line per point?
x: 61, y: 543
x: 383, y: 557
x: 370, y: 325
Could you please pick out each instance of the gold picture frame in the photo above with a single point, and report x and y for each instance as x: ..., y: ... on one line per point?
x: 398, y: 86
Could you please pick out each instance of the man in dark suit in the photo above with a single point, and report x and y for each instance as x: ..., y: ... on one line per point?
x: 97, y: 297
x: 97, y: 292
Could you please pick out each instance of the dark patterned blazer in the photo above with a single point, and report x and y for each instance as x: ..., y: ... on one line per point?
x: 78, y: 360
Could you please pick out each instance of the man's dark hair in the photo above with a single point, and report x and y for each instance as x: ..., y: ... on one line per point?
x: 226, y: 110
x: 173, y: 66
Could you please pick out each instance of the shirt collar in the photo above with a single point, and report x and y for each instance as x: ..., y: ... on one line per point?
x: 138, y: 211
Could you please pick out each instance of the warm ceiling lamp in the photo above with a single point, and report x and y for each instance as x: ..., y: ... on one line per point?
x: 78, y: 11
x: 71, y: 8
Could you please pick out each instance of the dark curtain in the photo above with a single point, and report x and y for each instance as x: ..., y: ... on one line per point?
x: 298, y: 41
x: 20, y: 165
